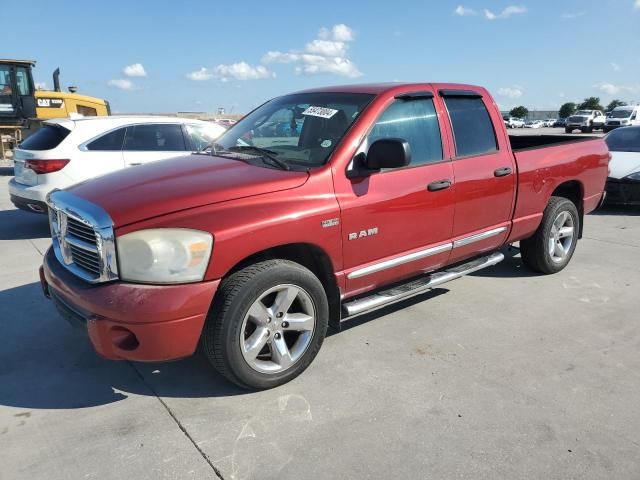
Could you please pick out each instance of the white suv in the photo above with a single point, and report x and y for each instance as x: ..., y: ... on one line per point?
x: 67, y: 151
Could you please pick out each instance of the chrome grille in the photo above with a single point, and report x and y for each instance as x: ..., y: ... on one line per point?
x: 82, y: 235
x: 81, y: 230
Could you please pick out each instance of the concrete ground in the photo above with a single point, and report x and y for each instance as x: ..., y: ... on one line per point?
x: 500, y: 375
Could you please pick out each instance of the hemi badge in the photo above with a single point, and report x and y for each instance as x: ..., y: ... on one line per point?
x: 332, y: 222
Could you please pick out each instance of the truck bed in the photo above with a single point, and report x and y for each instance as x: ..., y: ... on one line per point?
x: 525, y: 142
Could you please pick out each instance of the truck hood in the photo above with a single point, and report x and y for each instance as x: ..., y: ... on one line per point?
x: 623, y: 164
x: 158, y: 188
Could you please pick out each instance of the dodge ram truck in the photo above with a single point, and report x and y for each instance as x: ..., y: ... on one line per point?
x: 251, y: 248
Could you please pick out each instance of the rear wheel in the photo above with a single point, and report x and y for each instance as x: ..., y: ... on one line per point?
x: 550, y: 249
x: 268, y: 323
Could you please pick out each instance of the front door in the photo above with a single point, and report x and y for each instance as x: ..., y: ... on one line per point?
x: 485, y: 173
x: 397, y: 223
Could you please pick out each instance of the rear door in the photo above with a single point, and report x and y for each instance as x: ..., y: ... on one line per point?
x: 100, y: 155
x: 150, y: 142
x: 484, y: 170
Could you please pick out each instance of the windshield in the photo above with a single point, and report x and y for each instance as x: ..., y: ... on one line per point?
x: 625, y: 139
x: 583, y: 112
x: 621, y: 114
x: 300, y: 129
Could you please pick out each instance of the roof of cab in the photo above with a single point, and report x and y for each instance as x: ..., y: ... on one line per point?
x: 379, y: 88
x: 13, y: 60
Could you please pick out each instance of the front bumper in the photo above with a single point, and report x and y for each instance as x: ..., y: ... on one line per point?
x: 127, y: 321
x: 623, y: 191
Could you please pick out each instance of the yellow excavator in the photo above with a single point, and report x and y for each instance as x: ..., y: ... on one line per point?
x: 23, y: 107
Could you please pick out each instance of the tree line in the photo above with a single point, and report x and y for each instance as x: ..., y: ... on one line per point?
x: 567, y: 109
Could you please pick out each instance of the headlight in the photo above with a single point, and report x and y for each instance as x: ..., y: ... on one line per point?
x: 164, y: 255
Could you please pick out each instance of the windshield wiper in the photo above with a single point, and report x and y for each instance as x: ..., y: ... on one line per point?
x: 264, y: 153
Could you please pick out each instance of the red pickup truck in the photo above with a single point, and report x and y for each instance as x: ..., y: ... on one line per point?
x: 315, y: 207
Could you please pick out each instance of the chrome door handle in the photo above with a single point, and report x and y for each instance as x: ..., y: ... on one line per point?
x: 438, y: 185
x: 502, y: 172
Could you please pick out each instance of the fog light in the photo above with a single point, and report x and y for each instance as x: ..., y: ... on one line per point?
x: 124, y: 339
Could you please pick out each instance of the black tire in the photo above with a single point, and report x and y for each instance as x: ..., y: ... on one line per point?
x: 568, y: 130
x: 220, y: 338
x: 535, y: 250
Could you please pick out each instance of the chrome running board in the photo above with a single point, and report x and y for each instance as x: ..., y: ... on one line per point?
x: 400, y: 292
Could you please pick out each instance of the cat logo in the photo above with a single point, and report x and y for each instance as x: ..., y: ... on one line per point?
x: 363, y: 233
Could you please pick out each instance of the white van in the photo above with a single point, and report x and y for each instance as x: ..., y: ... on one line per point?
x: 623, y: 117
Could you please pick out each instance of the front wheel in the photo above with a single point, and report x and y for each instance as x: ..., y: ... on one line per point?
x: 550, y: 249
x: 267, y: 324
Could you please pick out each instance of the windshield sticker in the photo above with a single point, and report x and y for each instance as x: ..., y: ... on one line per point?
x: 321, y: 112
x: 325, y: 143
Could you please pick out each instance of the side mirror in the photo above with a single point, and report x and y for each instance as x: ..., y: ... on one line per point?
x: 388, y: 153
x: 383, y: 153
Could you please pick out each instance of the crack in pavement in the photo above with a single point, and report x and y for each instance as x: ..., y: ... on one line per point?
x: 175, y: 419
x: 612, y: 242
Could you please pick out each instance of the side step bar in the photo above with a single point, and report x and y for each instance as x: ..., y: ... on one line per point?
x: 415, y: 287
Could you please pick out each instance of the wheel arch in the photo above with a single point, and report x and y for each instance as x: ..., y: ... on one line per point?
x: 572, y: 190
x: 309, y: 256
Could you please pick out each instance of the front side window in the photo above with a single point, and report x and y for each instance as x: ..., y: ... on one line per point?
x: 157, y: 137
x: 298, y: 130
x: 110, y: 142
x: 201, y: 136
x: 415, y: 121
x: 22, y: 80
x: 472, y: 127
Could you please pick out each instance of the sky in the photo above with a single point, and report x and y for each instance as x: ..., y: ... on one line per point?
x: 196, y: 55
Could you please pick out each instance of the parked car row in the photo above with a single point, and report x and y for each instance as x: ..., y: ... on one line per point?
x: 513, y: 122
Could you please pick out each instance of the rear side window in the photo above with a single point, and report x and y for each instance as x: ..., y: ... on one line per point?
x: 45, y: 138
x: 472, y: 127
x: 111, y: 141
x: 414, y: 121
x: 155, y: 137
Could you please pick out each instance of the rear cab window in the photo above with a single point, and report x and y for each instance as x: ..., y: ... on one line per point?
x: 47, y: 137
x: 473, y: 130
